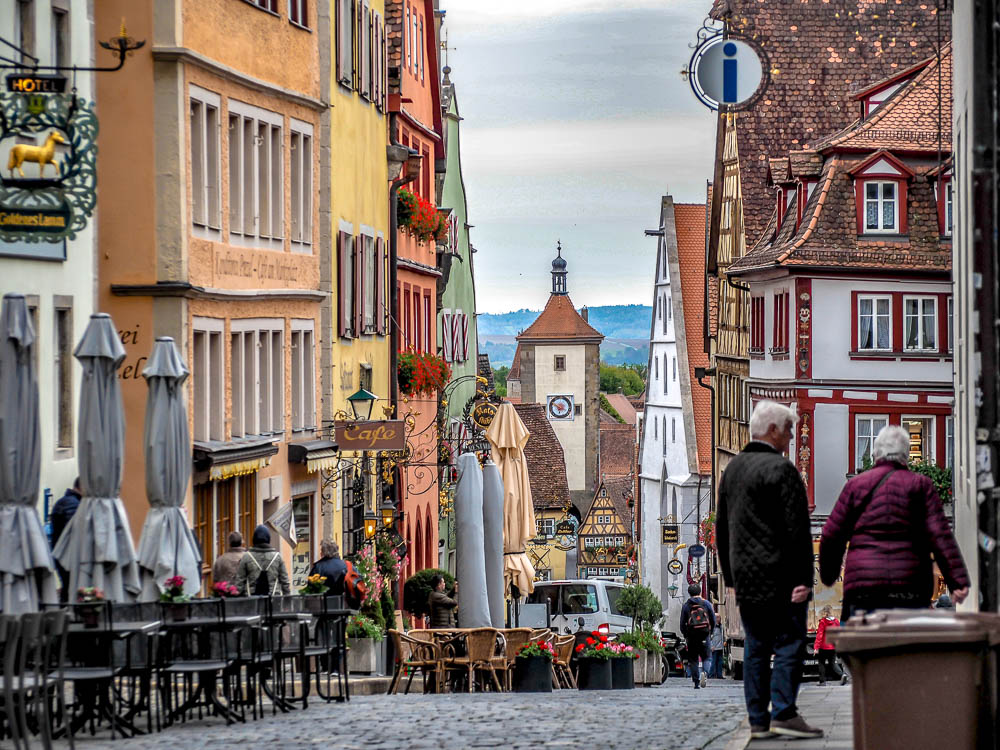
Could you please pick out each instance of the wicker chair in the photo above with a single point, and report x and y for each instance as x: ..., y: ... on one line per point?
x: 515, y: 637
x: 561, y: 673
x: 413, y: 654
x: 480, y: 654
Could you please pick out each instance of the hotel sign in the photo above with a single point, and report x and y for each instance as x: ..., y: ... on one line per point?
x: 371, y: 436
x: 36, y: 84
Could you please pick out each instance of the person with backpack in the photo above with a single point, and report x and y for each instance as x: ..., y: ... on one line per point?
x: 262, y: 571
x: 697, y: 622
x: 331, y: 567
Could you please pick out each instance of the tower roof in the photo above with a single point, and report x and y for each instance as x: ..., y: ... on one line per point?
x: 560, y: 321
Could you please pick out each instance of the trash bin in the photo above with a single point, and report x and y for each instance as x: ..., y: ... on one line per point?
x: 922, y: 679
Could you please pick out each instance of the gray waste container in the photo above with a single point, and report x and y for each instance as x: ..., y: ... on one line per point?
x: 922, y: 679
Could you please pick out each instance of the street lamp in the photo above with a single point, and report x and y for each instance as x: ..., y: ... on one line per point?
x: 371, y: 524
x: 388, y: 511
x: 361, y: 403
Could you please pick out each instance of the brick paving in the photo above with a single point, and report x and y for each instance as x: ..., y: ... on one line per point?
x: 828, y: 708
x: 667, y: 717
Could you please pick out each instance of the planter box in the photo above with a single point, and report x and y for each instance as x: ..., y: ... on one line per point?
x: 622, y: 676
x: 594, y: 674
x: 361, y: 655
x: 532, y: 674
x: 648, y: 668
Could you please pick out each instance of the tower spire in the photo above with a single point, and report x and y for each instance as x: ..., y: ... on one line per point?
x: 559, y: 271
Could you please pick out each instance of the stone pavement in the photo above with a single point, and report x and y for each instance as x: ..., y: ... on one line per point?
x: 828, y: 708
x: 667, y: 717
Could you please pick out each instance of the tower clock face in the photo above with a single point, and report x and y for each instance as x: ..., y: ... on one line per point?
x: 560, y: 407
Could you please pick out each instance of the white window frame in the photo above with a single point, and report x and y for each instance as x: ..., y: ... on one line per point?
x: 546, y: 527
x: 949, y: 207
x: 951, y: 323
x: 264, y: 193
x: 920, y: 299
x: 301, y: 160
x: 930, y: 421
x: 880, y: 201
x: 368, y: 287
x: 303, y: 373
x: 875, y: 315
x: 206, y: 161
x: 949, y: 442
x: 208, y: 378
x: 869, y: 436
x: 258, y: 380
x: 303, y: 22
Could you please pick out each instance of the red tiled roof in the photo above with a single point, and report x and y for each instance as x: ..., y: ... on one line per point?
x: 617, y: 448
x: 690, y: 222
x: 623, y: 406
x: 619, y: 488
x: 544, y: 454
x: 560, y: 320
x: 515, y: 366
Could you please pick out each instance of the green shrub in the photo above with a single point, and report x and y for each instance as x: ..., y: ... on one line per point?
x: 644, y: 638
x: 417, y: 590
x: 360, y: 626
x: 641, y: 604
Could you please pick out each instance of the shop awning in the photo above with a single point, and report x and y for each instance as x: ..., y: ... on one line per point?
x: 317, y: 455
x: 223, y: 460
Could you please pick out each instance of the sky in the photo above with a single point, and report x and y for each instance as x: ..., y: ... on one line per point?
x: 575, y: 121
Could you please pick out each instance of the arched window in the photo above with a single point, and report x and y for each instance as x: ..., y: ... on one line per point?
x: 663, y: 491
x: 673, y: 502
x: 430, y: 543
x: 664, y: 425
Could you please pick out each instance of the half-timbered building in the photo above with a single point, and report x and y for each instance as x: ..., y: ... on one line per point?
x: 605, y: 537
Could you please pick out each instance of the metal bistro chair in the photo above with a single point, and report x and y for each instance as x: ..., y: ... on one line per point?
x: 251, y: 654
x: 326, y: 645
x: 135, y: 655
x: 90, y: 666
x: 12, y: 685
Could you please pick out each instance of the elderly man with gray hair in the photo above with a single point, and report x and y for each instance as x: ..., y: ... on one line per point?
x: 894, y: 522
x: 765, y: 550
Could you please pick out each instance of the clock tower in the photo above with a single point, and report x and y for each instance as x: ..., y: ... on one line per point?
x: 557, y: 364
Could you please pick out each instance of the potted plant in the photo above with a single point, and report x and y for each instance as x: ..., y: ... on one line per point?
x: 224, y: 589
x: 362, y: 635
x: 594, y: 663
x: 649, y: 647
x: 421, y: 372
x: 533, y: 668
x: 90, y: 616
x: 173, y: 595
x: 315, y: 585
x: 623, y: 659
x: 420, y: 217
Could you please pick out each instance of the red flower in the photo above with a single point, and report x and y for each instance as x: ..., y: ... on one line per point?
x: 604, y: 639
x: 599, y: 646
x: 579, y: 647
x: 590, y: 641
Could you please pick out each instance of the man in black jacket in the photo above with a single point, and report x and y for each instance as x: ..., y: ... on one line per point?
x: 696, y: 631
x: 765, y: 550
x: 62, y: 513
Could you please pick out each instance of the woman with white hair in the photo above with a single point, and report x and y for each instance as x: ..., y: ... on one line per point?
x: 893, y: 520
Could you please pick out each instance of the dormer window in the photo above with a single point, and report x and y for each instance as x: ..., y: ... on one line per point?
x: 804, y: 192
x: 880, y: 185
x: 785, y: 197
x: 881, y: 207
x: 946, y: 199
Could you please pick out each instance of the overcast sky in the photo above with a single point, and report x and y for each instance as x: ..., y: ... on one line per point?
x: 575, y: 121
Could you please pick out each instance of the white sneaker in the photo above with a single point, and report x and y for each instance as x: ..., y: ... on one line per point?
x: 704, y: 679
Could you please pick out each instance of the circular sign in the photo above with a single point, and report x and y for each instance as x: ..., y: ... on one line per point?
x: 675, y: 566
x: 725, y: 72
x: 696, y: 550
x: 560, y: 407
x: 484, y: 413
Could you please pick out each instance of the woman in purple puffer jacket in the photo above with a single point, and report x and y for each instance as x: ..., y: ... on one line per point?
x: 893, y: 521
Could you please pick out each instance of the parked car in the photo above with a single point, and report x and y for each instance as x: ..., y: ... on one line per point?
x: 594, y: 601
x: 673, y: 654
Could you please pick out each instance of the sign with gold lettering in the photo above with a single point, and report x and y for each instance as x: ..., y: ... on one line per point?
x: 371, y: 436
x: 484, y: 413
x: 36, y: 84
x: 671, y: 533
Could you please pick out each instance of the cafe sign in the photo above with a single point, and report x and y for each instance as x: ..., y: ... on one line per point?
x: 670, y: 533
x: 371, y: 436
x: 48, y: 161
x: 483, y: 414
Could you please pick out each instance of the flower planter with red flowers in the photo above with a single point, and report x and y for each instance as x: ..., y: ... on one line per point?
x: 593, y: 663
x: 421, y: 372
x: 420, y: 217
x: 533, y: 668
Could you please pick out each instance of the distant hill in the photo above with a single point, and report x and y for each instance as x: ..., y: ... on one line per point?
x: 614, y: 321
x: 613, y: 351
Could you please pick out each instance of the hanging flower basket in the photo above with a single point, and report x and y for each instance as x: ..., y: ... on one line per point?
x: 707, y: 531
x: 420, y: 217
x: 422, y: 372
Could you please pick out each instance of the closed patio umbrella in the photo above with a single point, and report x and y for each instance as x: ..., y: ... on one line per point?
x: 470, y: 566
x: 167, y: 546
x: 508, y: 436
x: 96, y: 546
x: 493, y: 540
x: 27, y: 575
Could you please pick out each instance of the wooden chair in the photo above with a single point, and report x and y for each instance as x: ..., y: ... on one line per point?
x: 562, y: 675
x: 413, y: 654
x: 481, y: 645
x: 515, y: 637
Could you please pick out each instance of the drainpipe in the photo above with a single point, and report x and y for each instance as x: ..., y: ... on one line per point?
x: 700, y: 374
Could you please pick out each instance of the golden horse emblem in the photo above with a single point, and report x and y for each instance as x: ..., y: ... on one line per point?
x: 42, y: 155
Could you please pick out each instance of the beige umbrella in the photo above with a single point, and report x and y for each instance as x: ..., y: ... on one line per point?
x: 508, y: 436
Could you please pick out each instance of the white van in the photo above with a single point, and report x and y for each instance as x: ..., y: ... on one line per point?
x: 595, y: 600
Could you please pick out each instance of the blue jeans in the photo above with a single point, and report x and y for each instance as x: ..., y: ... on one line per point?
x: 716, y: 670
x: 779, y: 630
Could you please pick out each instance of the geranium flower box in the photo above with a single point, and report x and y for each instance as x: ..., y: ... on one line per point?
x: 532, y: 674
x: 593, y: 674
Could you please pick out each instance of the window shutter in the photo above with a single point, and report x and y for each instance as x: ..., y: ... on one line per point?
x: 456, y: 331
x: 359, y: 284
x: 446, y: 351
x: 343, y: 284
x: 465, y: 338
x: 357, y: 44
x: 380, y: 311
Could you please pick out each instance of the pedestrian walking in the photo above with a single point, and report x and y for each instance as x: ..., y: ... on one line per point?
x: 225, y: 566
x: 441, y: 605
x: 765, y: 550
x: 893, y: 522
x: 697, y: 622
x: 262, y: 570
x: 62, y: 513
x: 331, y: 567
x: 717, y: 641
x: 826, y: 654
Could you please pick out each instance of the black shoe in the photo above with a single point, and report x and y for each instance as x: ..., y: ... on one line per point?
x: 697, y: 686
x: 795, y: 727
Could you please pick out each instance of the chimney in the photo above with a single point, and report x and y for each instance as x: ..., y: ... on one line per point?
x: 585, y: 314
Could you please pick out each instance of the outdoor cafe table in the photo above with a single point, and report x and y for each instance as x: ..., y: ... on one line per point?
x: 92, y: 707
x: 206, y: 693
x: 305, y: 652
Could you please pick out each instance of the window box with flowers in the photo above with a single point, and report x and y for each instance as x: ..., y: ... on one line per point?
x: 593, y: 663
x: 420, y: 218
x: 422, y: 372
x: 533, y: 668
x: 364, y: 639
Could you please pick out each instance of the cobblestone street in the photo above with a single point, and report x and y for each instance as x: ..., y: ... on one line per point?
x: 670, y: 716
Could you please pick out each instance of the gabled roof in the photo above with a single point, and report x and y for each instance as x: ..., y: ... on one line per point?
x: 544, y: 454
x: 623, y: 406
x: 515, y: 366
x: 617, y: 449
x: 560, y: 321
x: 484, y: 370
x: 619, y: 489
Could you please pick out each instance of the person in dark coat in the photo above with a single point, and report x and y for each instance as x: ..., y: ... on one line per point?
x: 262, y: 560
x: 697, y: 637
x: 442, y: 605
x: 893, y: 520
x: 226, y: 565
x: 765, y: 550
x: 331, y: 567
x: 62, y: 513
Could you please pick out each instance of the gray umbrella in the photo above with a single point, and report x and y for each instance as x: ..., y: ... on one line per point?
x: 167, y: 547
x: 96, y: 547
x: 473, y: 605
x: 493, y: 535
x: 27, y: 577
